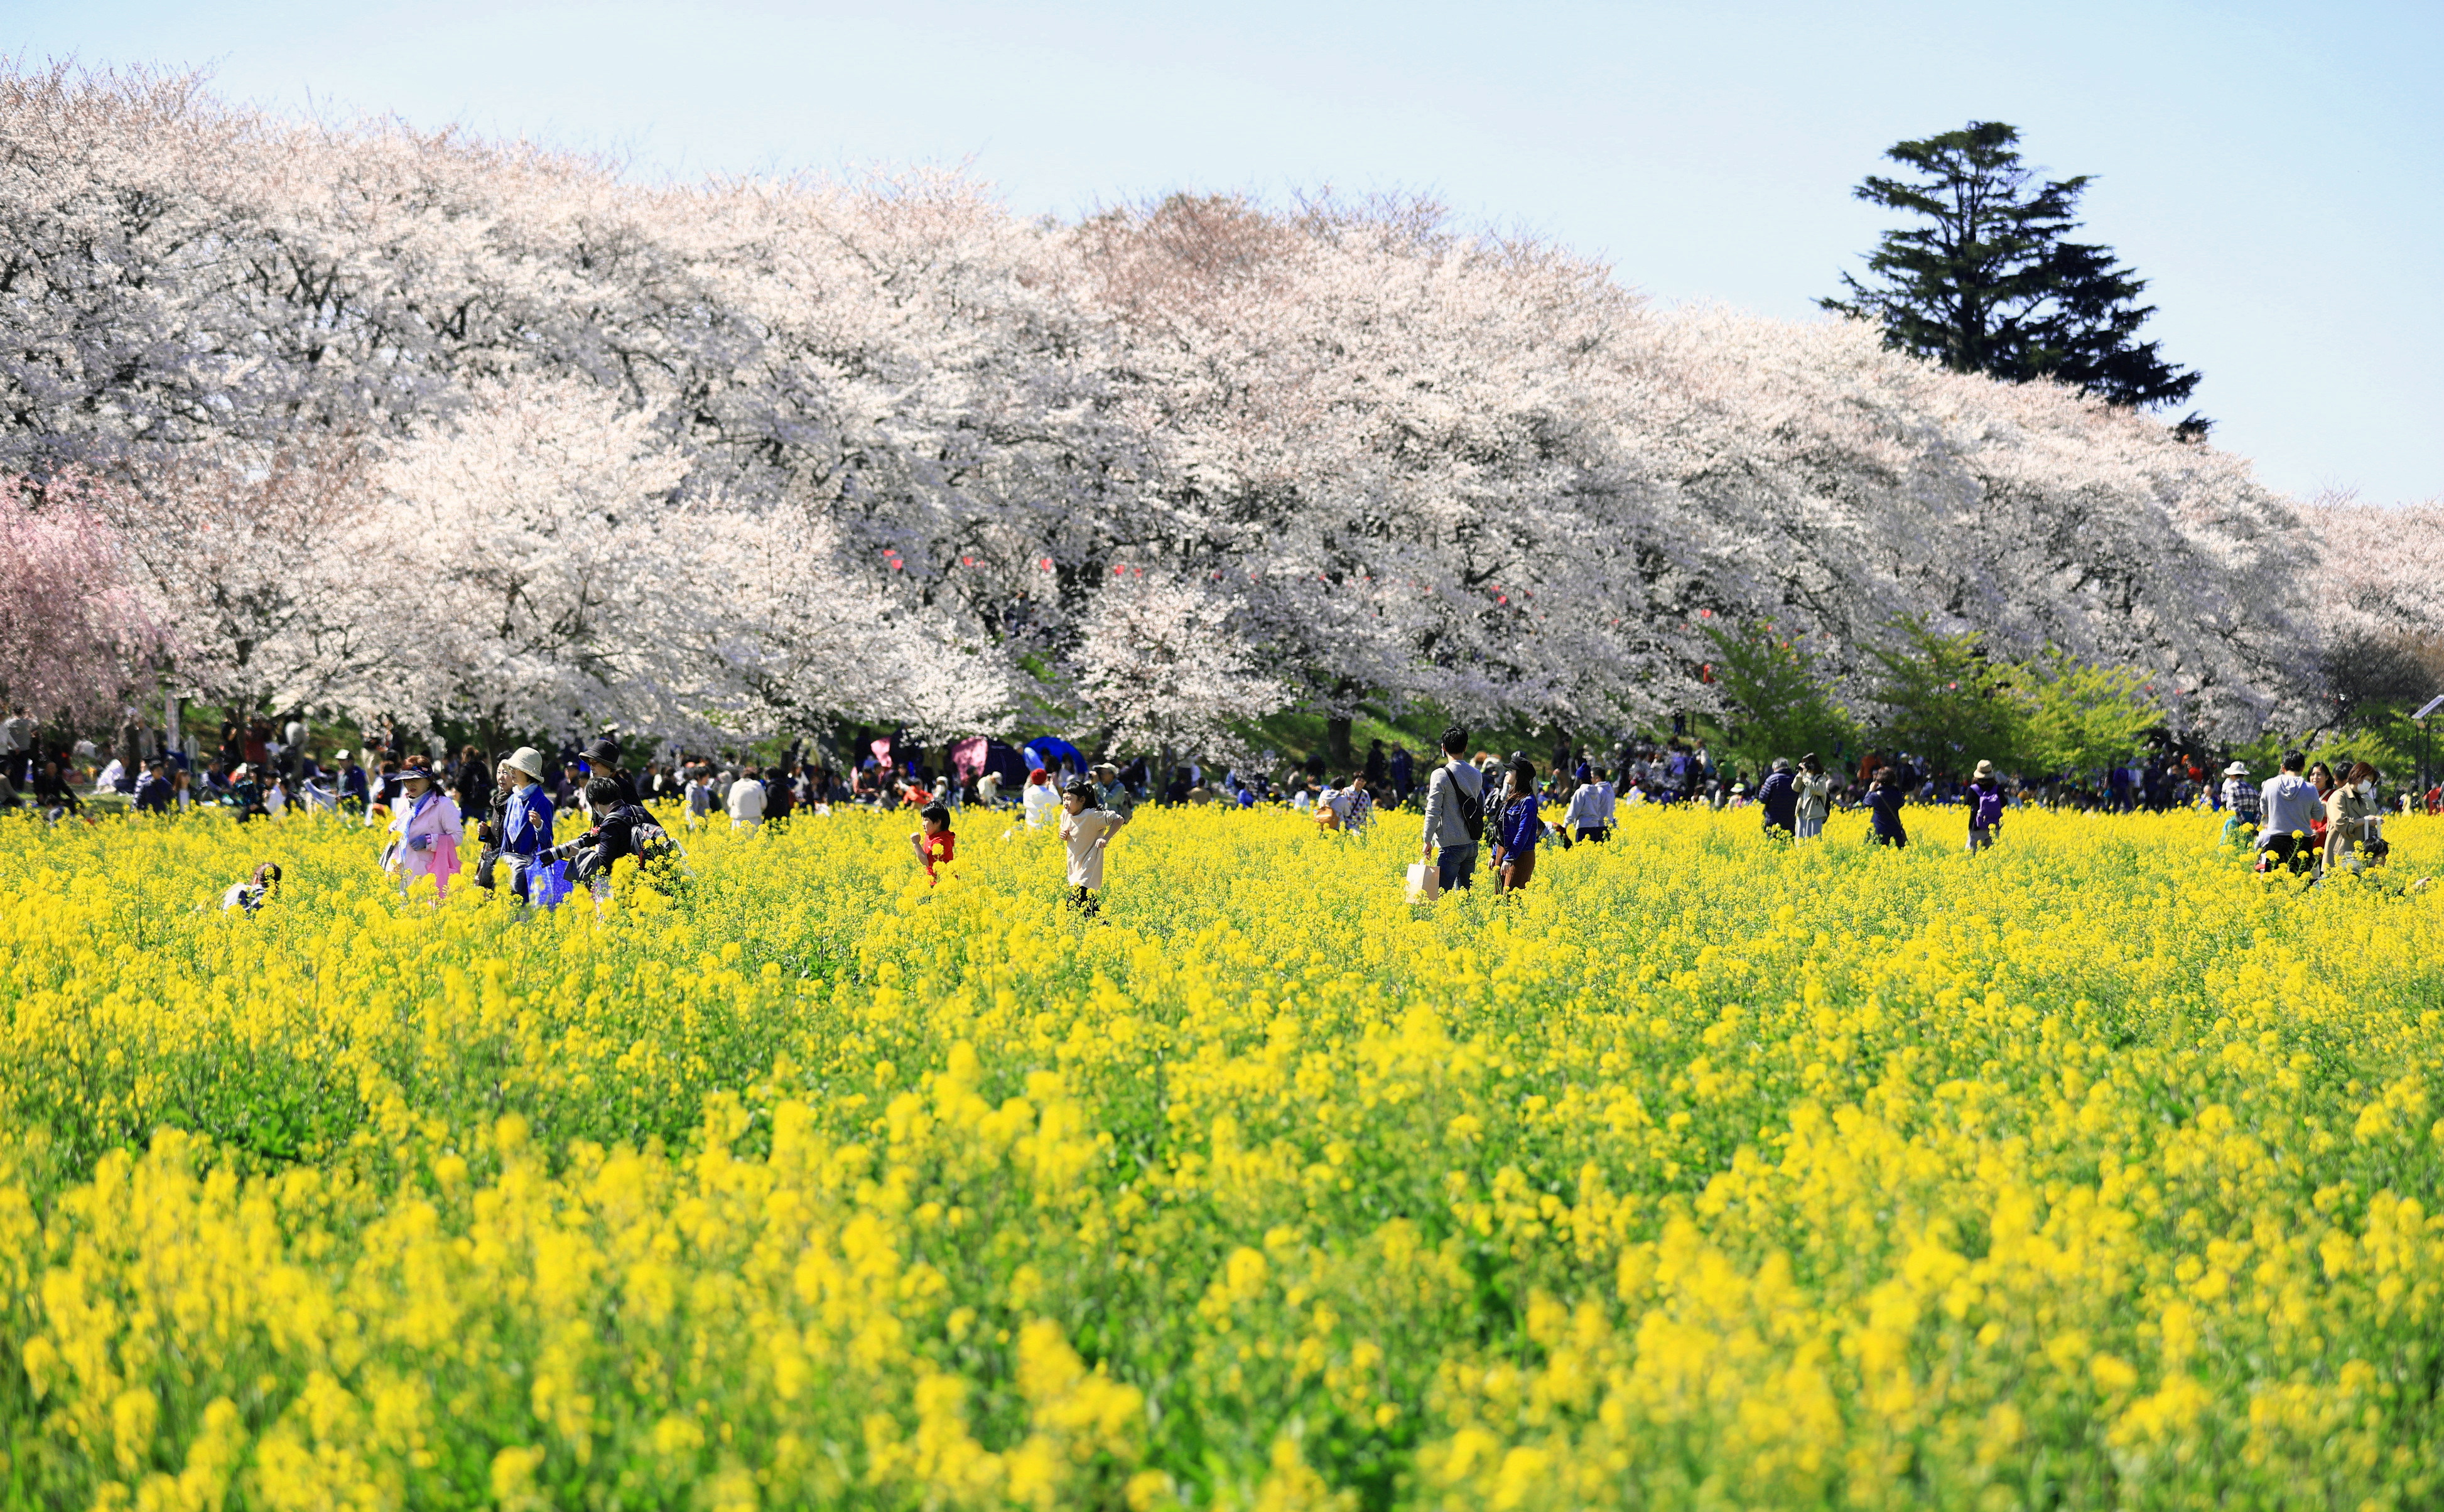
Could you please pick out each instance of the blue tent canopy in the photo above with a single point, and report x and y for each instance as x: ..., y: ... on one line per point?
x: 1049, y: 750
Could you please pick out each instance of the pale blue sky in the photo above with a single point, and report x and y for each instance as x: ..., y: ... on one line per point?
x: 2276, y: 171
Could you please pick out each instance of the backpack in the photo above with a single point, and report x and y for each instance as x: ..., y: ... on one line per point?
x: 653, y: 843
x: 1468, y: 806
x: 1987, y: 808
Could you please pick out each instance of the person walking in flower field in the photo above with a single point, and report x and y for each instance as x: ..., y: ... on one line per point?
x: 1779, y: 797
x: 1812, y: 798
x: 525, y: 820
x: 1590, y: 812
x: 1039, y: 802
x: 2294, y: 810
x: 1984, y: 808
x: 2240, y: 802
x: 1884, y: 797
x: 1455, y: 812
x: 745, y: 801
x: 428, y: 830
x: 2351, y: 814
x: 1086, y: 832
x: 1516, y: 828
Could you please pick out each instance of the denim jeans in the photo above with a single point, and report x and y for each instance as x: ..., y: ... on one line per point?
x: 1456, y: 864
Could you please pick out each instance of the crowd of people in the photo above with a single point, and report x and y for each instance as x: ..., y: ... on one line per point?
x: 509, y: 806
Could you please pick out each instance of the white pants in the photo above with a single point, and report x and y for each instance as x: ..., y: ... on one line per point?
x: 1808, y: 827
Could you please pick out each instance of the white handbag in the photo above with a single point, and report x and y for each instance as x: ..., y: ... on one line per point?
x: 1425, y: 882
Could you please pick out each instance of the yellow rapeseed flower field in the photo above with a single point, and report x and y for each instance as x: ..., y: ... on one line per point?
x: 1708, y: 1173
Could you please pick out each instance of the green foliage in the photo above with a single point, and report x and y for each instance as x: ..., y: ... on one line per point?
x: 1991, y: 283
x: 2077, y: 717
x: 1944, y: 700
x: 1777, y: 701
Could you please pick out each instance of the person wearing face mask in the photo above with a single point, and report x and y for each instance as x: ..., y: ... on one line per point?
x: 2351, y: 814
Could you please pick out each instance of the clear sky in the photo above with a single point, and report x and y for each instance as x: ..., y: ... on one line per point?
x: 2277, y: 172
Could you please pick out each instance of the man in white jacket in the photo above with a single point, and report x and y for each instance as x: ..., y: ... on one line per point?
x: 746, y: 802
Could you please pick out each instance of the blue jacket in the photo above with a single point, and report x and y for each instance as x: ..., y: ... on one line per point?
x: 1520, y: 826
x: 525, y: 822
x: 1885, y: 810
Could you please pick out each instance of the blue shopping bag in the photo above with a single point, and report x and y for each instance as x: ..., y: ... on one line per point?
x: 550, y: 886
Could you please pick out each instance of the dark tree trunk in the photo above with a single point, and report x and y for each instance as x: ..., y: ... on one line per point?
x: 1336, y: 746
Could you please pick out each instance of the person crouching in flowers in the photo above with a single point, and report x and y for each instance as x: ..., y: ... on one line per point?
x: 934, y: 843
x: 428, y: 830
x: 251, y: 894
x: 620, y: 828
x: 1086, y: 831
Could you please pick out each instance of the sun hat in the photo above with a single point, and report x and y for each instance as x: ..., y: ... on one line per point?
x: 528, y: 760
x: 2237, y: 769
x: 1985, y: 768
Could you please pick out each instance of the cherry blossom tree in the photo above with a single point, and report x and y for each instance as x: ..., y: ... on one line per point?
x: 251, y: 561
x: 429, y: 425
x: 72, y: 637
x: 1163, y: 662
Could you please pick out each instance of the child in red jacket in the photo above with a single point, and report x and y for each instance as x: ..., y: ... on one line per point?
x: 934, y: 843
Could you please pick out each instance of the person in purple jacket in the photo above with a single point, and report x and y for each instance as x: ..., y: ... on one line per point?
x: 1516, y: 831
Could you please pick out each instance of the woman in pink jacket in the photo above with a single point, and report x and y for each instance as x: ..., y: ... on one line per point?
x: 427, y: 828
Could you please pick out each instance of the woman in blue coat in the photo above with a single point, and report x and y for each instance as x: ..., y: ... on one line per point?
x: 1515, y: 828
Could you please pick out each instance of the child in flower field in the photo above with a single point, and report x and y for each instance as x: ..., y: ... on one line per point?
x: 935, y: 842
x: 1085, y: 831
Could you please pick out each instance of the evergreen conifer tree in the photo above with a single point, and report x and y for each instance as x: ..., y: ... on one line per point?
x: 1993, y: 283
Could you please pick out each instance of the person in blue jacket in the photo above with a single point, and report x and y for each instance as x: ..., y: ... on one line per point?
x: 1779, y: 797
x: 525, y: 820
x: 1515, y: 830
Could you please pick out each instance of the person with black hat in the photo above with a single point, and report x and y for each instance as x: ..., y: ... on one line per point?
x: 428, y: 828
x: 1086, y: 832
x: 602, y: 760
